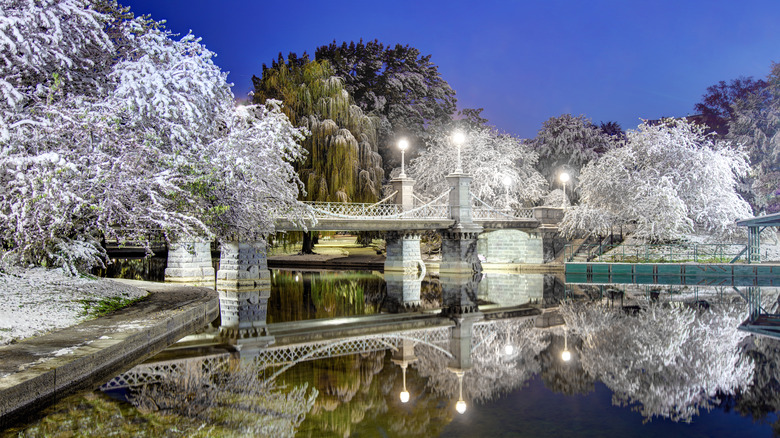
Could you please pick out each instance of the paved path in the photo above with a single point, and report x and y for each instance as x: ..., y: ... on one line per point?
x: 44, y: 369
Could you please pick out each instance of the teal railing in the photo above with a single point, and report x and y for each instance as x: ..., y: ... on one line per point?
x: 659, y: 253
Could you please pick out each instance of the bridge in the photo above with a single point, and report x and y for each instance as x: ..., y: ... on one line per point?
x: 469, y: 228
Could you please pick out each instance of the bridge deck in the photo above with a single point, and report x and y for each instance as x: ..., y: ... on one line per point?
x: 337, y: 224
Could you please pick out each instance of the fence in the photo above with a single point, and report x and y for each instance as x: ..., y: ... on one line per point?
x: 661, y: 253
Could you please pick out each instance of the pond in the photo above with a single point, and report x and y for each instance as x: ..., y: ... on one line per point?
x: 639, y: 364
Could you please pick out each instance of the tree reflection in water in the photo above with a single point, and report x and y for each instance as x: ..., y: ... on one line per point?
x: 232, y: 400
x: 665, y: 360
x: 494, y: 372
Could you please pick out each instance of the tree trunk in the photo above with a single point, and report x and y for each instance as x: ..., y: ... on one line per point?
x: 308, y: 243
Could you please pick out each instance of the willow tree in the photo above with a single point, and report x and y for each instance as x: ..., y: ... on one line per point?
x: 343, y: 164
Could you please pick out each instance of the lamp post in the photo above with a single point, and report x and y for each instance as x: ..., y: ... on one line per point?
x: 564, y: 179
x: 566, y: 355
x: 404, y: 393
x: 458, y: 138
x: 402, y: 144
x: 460, y: 406
x: 507, y: 180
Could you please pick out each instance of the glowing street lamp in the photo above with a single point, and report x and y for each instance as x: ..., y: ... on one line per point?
x: 458, y: 138
x: 402, y: 144
x: 460, y: 406
x: 509, y: 349
x: 566, y: 355
x: 404, y: 394
x: 564, y: 179
x: 507, y: 180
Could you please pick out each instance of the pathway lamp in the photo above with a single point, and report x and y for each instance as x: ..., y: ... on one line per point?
x: 564, y: 179
x: 458, y: 139
x: 404, y: 393
x: 566, y: 355
x: 460, y: 406
x: 402, y: 145
x: 507, y: 180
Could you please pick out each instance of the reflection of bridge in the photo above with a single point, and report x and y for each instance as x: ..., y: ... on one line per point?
x: 452, y: 339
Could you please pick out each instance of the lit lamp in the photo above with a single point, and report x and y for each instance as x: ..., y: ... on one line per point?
x: 509, y: 349
x: 404, y: 393
x: 566, y: 355
x: 460, y: 406
x: 458, y: 139
x: 402, y: 145
x: 564, y: 179
x: 507, y: 182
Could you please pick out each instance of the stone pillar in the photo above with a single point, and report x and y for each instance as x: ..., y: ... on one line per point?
x: 460, y: 343
x: 405, y: 189
x: 244, y: 286
x: 403, y: 252
x: 459, y: 250
x: 403, y: 290
x: 459, y: 293
x: 189, y: 262
x: 460, y: 199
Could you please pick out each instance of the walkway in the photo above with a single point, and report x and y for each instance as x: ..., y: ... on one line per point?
x: 41, y: 370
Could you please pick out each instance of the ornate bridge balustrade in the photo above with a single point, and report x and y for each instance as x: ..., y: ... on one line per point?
x: 456, y: 343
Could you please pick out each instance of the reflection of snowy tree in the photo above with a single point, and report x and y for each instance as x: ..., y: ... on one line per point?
x: 494, y: 372
x: 670, y: 361
x: 234, y: 400
x: 762, y: 397
x: 564, y: 377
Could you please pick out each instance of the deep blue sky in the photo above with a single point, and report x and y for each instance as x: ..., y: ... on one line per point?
x: 522, y: 61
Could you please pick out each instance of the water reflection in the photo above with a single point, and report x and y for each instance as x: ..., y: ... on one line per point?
x: 665, y: 357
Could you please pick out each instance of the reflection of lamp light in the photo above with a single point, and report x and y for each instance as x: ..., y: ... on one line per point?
x: 566, y: 355
x: 509, y: 349
x: 404, y: 393
x: 564, y: 179
x: 458, y: 138
x: 296, y: 277
x: 402, y: 144
x: 460, y: 406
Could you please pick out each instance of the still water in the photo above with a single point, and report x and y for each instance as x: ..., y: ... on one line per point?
x: 639, y: 364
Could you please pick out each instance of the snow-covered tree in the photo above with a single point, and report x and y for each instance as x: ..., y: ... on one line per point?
x: 755, y: 125
x: 668, y: 180
x: 566, y: 144
x: 491, y: 157
x: 111, y: 128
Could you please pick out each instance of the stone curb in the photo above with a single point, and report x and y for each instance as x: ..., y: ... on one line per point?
x: 42, y: 370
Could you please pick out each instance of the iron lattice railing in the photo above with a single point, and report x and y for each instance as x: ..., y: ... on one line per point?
x: 489, y: 213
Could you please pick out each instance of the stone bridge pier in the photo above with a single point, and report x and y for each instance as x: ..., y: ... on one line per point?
x: 189, y: 262
x: 244, y: 286
x: 403, y: 290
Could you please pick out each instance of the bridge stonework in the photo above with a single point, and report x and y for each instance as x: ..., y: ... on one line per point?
x: 403, y: 252
x: 189, y: 262
x: 244, y: 286
x: 511, y: 246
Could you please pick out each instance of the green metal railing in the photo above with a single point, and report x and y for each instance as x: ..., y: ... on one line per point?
x: 661, y: 253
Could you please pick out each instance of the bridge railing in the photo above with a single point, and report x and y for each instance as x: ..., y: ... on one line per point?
x: 489, y: 213
x: 337, y: 210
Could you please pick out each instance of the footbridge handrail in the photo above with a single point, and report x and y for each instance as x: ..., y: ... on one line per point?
x: 489, y: 212
x: 339, y: 210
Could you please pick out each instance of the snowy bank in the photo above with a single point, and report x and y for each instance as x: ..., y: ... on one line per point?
x: 38, y: 300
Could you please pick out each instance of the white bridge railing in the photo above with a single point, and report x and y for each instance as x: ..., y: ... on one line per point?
x: 434, y: 209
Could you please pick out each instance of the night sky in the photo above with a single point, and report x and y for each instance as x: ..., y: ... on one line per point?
x: 522, y: 61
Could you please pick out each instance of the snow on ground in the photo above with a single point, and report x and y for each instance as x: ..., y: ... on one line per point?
x: 38, y: 300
